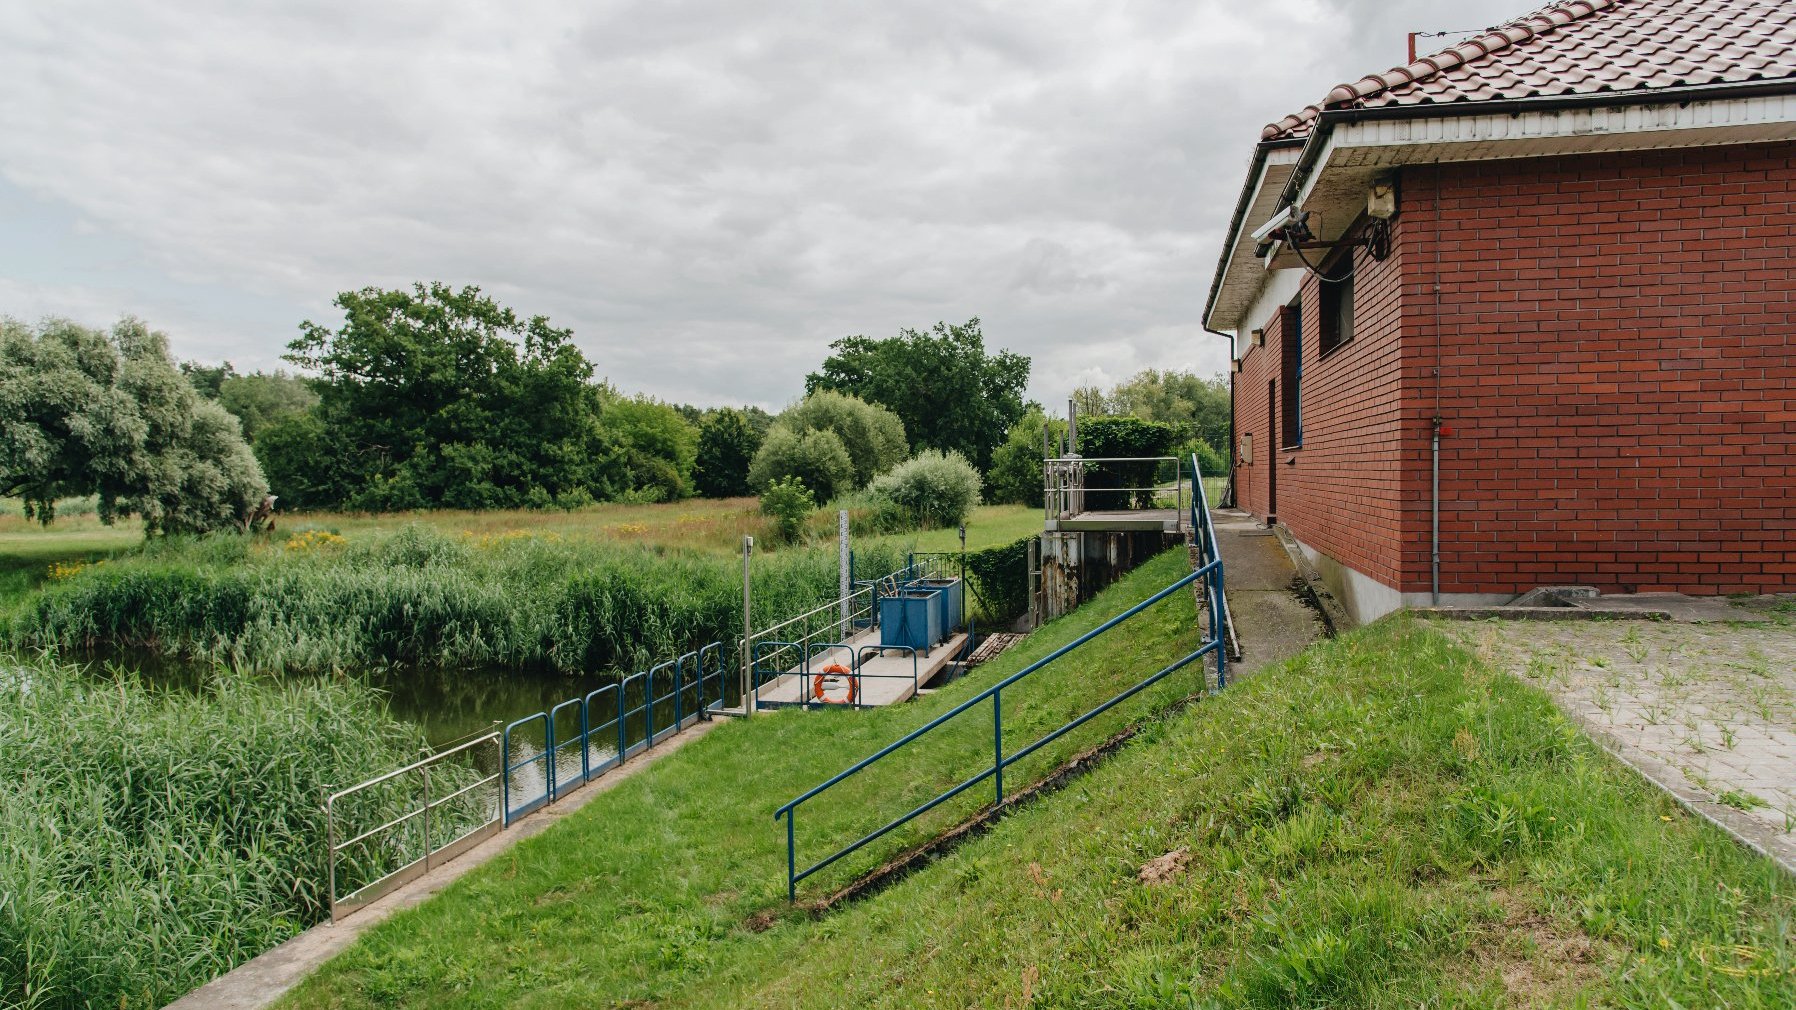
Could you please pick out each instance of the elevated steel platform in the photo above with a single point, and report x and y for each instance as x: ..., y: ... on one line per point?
x: 1119, y: 521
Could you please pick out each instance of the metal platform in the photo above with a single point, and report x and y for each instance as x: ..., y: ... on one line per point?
x: 887, y: 677
x: 1119, y: 521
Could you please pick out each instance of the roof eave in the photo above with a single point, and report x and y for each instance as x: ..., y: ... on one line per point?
x: 1243, y: 201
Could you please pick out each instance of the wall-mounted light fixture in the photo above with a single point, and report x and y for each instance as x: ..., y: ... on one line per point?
x: 1381, y: 202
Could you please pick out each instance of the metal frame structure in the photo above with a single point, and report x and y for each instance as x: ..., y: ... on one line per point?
x: 1064, y: 488
x: 1209, y: 570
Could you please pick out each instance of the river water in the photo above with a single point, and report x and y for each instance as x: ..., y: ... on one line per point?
x: 448, y: 704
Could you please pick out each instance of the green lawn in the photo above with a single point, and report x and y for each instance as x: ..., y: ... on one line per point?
x: 1381, y: 822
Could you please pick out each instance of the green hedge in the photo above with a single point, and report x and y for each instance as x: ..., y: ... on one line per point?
x: 1000, y: 577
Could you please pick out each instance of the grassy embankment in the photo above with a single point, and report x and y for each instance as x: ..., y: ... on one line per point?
x: 131, y: 867
x: 1381, y: 822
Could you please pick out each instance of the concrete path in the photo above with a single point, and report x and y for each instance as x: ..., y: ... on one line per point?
x: 262, y: 980
x: 887, y: 677
x: 1272, y: 621
x: 1706, y: 711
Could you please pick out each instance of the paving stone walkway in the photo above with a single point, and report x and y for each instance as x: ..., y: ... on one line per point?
x: 1709, y: 709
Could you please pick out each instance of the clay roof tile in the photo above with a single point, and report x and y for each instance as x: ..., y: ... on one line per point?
x: 1574, y: 47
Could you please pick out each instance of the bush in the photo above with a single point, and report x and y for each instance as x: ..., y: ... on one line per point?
x: 934, y: 488
x: 817, y: 459
x: 1001, y: 579
x: 789, y: 503
x: 872, y: 435
x: 1126, y: 438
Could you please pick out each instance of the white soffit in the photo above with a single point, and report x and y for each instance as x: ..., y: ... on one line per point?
x: 1374, y: 144
x: 1245, y: 273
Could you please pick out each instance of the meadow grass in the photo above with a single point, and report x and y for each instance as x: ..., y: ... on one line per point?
x: 1383, y: 821
x: 134, y: 865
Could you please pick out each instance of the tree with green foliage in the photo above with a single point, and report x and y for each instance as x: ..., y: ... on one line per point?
x: 84, y: 412
x: 659, y: 445
x: 208, y: 379
x: 1197, y: 408
x: 726, y: 446
x: 1015, y: 476
x: 818, y: 459
x: 260, y: 399
x: 788, y: 502
x: 437, y: 397
x: 949, y: 393
x: 873, y: 435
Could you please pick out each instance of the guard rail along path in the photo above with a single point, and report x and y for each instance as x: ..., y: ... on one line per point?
x: 1209, y: 569
x: 402, y: 824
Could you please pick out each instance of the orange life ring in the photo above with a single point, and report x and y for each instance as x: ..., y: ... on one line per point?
x: 836, y: 670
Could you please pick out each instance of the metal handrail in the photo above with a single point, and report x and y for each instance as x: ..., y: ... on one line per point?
x: 1210, y: 549
x: 343, y: 904
x: 994, y: 693
x: 1070, y: 490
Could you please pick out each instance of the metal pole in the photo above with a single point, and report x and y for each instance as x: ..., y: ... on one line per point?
x: 843, y: 578
x: 748, y: 694
x: 330, y: 849
x: 1434, y: 517
x: 425, y: 770
x: 963, y: 575
x: 998, y: 745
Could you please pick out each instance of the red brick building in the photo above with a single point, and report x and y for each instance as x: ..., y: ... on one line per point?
x: 1567, y: 248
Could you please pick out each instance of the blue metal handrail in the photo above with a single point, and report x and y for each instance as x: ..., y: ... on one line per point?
x: 1211, y: 570
x: 591, y: 728
x: 1209, y: 551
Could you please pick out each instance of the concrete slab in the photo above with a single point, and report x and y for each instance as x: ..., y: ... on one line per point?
x: 1272, y: 621
x: 1120, y: 521
x: 886, y: 678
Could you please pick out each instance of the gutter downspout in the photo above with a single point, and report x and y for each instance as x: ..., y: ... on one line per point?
x: 1434, y: 515
x: 1228, y: 491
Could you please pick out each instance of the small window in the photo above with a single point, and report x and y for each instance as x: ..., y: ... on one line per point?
x: 1337, y: 302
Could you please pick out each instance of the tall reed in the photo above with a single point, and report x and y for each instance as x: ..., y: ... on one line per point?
x: 420, y: 596
x: 152, y: 840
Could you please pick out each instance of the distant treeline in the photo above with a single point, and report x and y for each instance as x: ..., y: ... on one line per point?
x: 436, y: 397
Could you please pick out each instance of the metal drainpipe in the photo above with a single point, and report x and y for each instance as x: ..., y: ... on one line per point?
x: 1228, y: 490
x: 1434, y: 515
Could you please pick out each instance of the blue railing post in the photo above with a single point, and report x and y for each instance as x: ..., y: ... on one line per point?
x: 998, y: 744
x: 648, y: 709
x: 679, y: 689
x: 791, y: 857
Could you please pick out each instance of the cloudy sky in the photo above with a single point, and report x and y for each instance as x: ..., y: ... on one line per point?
x: 706, y: 191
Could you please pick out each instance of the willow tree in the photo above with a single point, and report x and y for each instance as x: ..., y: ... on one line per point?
x: 86, y: 412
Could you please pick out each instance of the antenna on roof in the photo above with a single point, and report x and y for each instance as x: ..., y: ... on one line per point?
x: 1413, y: 36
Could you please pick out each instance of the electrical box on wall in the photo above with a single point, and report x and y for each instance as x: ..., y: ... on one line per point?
x: 1247, y: 449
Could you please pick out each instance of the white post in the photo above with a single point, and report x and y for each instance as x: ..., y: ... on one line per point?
x: 748, y: 692
x: 843, y: 584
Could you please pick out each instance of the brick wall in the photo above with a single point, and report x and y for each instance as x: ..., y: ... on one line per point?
x: 1618, y: 368
x: 1340, y: 491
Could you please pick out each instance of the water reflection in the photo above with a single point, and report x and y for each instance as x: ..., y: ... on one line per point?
x: 449, y: 705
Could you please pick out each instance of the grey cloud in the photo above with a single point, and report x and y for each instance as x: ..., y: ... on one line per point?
x: 706, y: 191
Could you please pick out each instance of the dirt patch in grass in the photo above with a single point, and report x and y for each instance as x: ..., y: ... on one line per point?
x: 1539, y: 959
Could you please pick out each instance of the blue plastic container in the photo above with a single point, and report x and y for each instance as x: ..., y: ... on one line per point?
x: 949, y: 590
x: 911, y: 618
